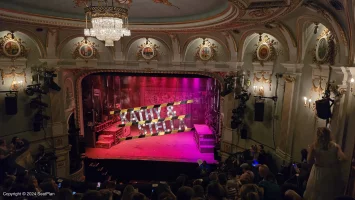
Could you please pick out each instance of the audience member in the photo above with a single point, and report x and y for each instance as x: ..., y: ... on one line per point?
x: 204, y: 169
x: 250, y: 192
x: 127, y: 192
x: 185, y: 193
x: 215, y: 192
x: 292, y: 195
x: 198, y: 191
x: 247, y: 170
x: 106, y: 194
x: 325, y: 182
x: 231, y: 192
x: 33, y: 184
x: 213, y: 177
x: 111, y: 186
x: 344, y: 198
x: 65, y: 194
x: 271, y: 190
x: 138, y: 196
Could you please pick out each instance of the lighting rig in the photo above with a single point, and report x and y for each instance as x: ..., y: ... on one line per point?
x: 37, y: 103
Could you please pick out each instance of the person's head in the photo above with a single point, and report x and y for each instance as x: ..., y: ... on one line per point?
x: 166, y: 196
x: 215, y: 191
x: 199, y: 191
x: 127, y: 192
x: 2, y: 142
x: 204, y: 162
x: 246, y: 178
x: 245, y: 167
x: 197, y: 182
x: 185, y: 193
x: 180, y: 181
x: 292, y: 195
x: 92, y: 195
x: 213, y: 176
x: 15, y: 140
x: 65, y: 194
x: 106, y: 194
x: 250, y: 192
x: 138, y: 196
x: 323, y: 137
x: 222, y: 178
x: 263, y: 171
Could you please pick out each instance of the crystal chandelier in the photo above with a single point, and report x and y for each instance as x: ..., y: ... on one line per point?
x: 109, y: 22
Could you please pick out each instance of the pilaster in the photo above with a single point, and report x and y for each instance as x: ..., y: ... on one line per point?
x: 289, y: 110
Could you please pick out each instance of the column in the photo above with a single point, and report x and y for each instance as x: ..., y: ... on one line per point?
x: 289, y: 108
x: 58, y: 126
x: 176, y: 59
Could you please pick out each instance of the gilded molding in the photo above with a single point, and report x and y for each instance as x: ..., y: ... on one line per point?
x: 289, y: 78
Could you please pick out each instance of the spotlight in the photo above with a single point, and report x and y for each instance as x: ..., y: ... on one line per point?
x: 48, y: 79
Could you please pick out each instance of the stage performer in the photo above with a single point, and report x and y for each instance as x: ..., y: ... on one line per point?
x: 325, y: 181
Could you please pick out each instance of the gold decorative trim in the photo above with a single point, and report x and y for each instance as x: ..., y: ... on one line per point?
x: 12, y: 47
x: 86, y: 50
x: 289, y: 78
x: 206, y: 51
x: 148, y: 51
x: 325, y: 38
x: 265, y: 50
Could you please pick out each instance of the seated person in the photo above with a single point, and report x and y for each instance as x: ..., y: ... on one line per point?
x: 247, y: 170
x: 250, y: 191
x: 270, y: 188
x: 204, y: 169
x: 17, y: 144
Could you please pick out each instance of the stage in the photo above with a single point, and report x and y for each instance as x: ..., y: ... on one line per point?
x: 179, y: 147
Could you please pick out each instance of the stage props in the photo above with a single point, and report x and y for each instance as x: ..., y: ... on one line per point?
x: 150, y: 117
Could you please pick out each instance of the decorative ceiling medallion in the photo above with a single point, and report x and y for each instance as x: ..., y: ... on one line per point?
x: 85, y: 50
x: 325, y: 49
x: 265, y: 50
x: 148, y: 51
x: 206, y: 51
x: 12, y: 47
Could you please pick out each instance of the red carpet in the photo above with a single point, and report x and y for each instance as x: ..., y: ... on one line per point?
x: 179, y: 147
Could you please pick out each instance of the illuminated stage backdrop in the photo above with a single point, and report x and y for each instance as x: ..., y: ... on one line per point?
x: 106, y: 92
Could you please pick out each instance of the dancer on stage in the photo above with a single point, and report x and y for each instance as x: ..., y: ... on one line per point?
x: 325, y: 181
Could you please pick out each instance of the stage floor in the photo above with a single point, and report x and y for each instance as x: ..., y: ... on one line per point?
x: 179, y: 147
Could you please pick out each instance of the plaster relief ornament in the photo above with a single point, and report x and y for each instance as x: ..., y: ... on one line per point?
x: 12, y: 47
x: 265, y: 50
x: 81, y: 3
x: 325, y: 49
x: 85, y: 50
x: 148, y: 51
x: 206, y: 51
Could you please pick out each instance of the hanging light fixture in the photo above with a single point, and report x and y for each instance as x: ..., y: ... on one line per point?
x: 109, y: 21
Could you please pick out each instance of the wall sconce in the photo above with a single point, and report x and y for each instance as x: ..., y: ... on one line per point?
x: 352, y: 83
x: 259, y: 91
x: 308, y: 102
x: 16, y: 85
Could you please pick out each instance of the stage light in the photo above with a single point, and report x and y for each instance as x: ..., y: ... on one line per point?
x: 48, y: 79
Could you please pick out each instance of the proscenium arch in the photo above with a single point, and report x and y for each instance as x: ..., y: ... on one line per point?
x: 305, y: 21
x: 67, y: 39
x: 41, y: 49
x: 280, y: 38
x: 135, y: 38
x: 79, y: 78
x: 193, y: 38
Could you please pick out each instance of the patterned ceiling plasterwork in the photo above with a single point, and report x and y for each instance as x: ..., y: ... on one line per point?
x: 237, y: 15
x: 81, y: 3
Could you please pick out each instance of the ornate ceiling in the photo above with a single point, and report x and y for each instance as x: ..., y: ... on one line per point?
x: 156, y: 15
